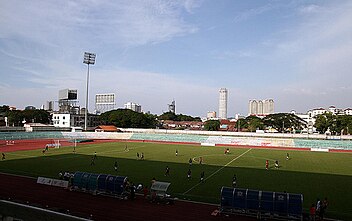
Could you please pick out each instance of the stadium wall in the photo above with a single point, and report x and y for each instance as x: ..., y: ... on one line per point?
x: 213, y: 138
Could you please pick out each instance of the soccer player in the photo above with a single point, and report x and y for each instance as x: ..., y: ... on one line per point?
x: 234, y: 181
x: 267, y: 164
x: 167, y: 171
x: 137, y: 155
x: 277, y: 164
x: 176, y: 152
x: 142, y: 156
x: 202, y: 177
x: 200, y: 160
x: 3, y: 156
x: 190, y: 161
x: 189, y: 174
x: 95, y: 155
x: 92, y: 163
x: 116, y: 166
x: 287, y: 156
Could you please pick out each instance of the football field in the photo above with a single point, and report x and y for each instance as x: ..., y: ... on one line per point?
x: 314, y: 174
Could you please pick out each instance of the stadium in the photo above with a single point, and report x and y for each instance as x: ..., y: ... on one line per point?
x: 101, y: 164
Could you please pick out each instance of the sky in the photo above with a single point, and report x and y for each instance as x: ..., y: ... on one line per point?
x: 150, y: 52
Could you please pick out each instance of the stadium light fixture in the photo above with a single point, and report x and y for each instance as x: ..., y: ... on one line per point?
x: 89, y: 58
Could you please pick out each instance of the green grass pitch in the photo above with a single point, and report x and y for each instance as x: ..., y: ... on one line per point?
x: 314, y: 174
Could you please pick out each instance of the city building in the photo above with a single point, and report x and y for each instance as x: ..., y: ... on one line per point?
x: 133, y: 106
x: 74, y: 120
x: 70, y: 115
x: 68, y: 102
x: 223, y: 103
x: 348, y: 111
x: 211, y: 115
x: 49, y: 106
x: 172, y: 107
x: 261, y: 107
x: 30, y: 107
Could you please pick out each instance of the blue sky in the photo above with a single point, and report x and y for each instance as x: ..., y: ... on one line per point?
x: 298, y: 53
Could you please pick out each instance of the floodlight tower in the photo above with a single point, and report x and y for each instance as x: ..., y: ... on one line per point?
x: 89, y: 58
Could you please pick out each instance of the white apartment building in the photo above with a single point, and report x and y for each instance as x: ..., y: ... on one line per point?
x: 133, y: 106
x: 261, y: 107
x: 61, y: 120
x: 348, y: 111
x: 223, y: 103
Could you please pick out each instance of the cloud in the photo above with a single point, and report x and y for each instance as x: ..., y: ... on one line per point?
x: 307, y: 9
x: 247, y: 14
x: 128, y: 23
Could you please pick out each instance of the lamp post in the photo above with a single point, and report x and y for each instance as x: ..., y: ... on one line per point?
x: 89, y: 58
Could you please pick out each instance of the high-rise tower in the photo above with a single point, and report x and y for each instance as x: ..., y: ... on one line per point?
x: 223, y: 103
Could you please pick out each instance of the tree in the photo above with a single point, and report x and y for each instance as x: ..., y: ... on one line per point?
x: 241, y: 124
x: 324, y: 122
x: 4, y: 109
x: 128, y: 119
x: 283, y: 121
x: 254, y: 123
x: 180, y: 117
x: 212, y: 125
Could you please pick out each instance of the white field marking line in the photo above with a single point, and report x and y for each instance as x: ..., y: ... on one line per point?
x: 218, y: 170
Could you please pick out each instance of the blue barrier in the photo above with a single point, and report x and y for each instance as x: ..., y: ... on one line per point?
x: 120, y: 183
x: 295, y: 202
x: 99, y: 183
x: 226, y: 198
x: 261, y: 203
x: 93, y: 182
x: 102, y: 182
x: 253, y: 200
x: 239, y: 199
x: 110, y: 184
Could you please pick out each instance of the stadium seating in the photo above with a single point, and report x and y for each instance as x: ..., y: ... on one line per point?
x: 99, y: 183
x: 261, y: 203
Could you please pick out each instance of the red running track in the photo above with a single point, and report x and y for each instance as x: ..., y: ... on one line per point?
x: 105, y: 208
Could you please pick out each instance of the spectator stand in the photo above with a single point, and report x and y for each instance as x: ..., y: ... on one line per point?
x: 158, y: 193
x: 261, y: 204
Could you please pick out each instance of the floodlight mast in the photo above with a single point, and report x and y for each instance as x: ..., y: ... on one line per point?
x: 89, y: 58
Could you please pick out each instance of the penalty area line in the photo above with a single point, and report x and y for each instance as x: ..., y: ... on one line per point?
x: 234, y: 159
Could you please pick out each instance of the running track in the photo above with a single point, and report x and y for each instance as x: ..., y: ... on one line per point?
x: 104, y: 208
